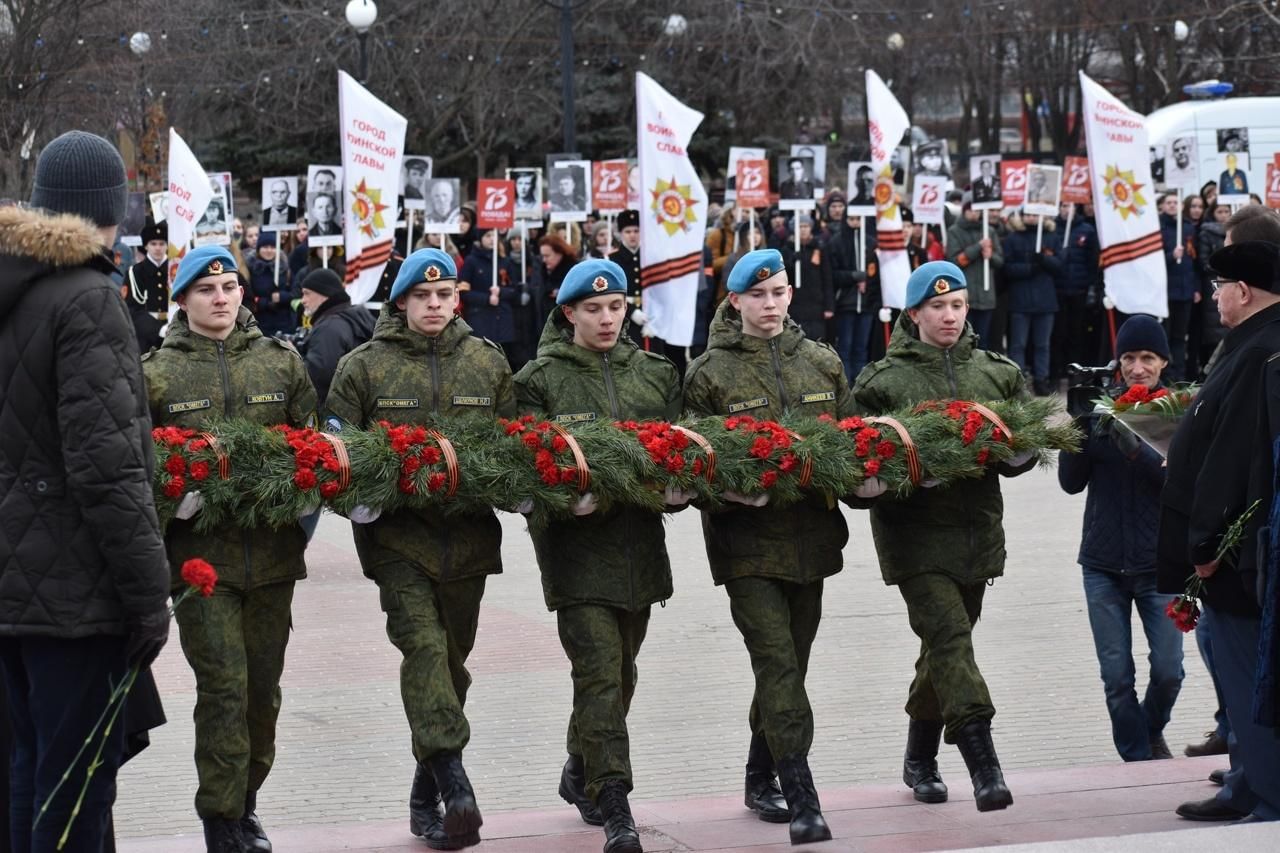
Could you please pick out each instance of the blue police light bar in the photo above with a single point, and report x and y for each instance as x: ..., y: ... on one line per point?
x: 1208, y: 89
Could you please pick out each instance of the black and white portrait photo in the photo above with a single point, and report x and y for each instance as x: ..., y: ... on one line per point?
x: 159, y: 206
x: 817, y: 155
x: 324, y: 205
x: 984, y: 181
x: 862, y: 189
x: 528, y: 181
x: 214, y: 226
x: 1157, y: 164
x: 569, y: 190
x: 795, y: 183
x: 279, y: 203
x: 900, y: 163
x: 933, y: 159
x: 1182, y: 163
x: 1233, y: 140
x: 1044, y: 186
x: 444, y: 206
x: 415, y: 177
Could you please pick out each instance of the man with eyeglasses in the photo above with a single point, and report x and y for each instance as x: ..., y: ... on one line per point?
x: 1219, y: 464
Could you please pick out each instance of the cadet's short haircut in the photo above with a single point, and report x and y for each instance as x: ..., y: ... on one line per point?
x: 1254, y: 222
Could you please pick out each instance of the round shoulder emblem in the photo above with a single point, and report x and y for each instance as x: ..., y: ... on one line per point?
x: 600, y: 284
x: 432, y: 273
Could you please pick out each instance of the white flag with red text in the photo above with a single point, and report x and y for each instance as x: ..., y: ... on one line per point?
x: 886, y: 123
x: 1124, y: 203
x: 372, y: 151
x: 673, y: 214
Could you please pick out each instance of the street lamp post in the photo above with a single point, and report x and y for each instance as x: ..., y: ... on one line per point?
x: 140, y: 44
x: 566, y: 7
x: 360, y: 15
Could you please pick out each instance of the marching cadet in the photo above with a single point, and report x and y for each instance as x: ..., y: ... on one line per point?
x: 423, y: 365
x: 603, y: 570
x: 146, y: 286
x: 214, y: 363
x: 628, y: 257
x: 940, y: 547
x: 772, y: 562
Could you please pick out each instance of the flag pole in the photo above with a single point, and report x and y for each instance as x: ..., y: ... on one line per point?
x: 986, y: 262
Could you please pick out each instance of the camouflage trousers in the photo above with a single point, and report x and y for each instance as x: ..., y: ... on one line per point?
x: 235, y: 642
x: 434, y: 627
x: 602, y: 644
x: 948, y: 685
x: 778, y: 621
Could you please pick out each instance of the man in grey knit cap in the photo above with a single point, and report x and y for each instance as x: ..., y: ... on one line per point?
x: 83, y: 577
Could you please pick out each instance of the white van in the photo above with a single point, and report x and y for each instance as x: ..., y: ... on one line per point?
x: 1207, y: 125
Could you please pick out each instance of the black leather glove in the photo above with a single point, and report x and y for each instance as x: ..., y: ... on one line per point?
x: 147, y: 636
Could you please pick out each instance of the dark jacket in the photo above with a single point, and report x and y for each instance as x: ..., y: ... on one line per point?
x: 273, y: 316
x: 1210, y: 237
x: 80, y: 546
x: 841, y: 249
x: 1181, y: 277
x: 1079, y: 256
x: 964, y: 248
x: 1219, y: 463
x: 813, y: 293
x: 495, y: 322
x: 957, y: 531
x: 615, y: 558
x: 1122, y: 507
x: 1032, y: 276
x: 337, y: 328
x: 765, y: 379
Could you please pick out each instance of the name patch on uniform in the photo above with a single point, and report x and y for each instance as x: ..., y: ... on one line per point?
x: 188, y: 406
x: 273, y: 397
x: 818, y: 397
x: 397, y: 403
x: 575, y: 418
x: 758, y: 402
x: 459, y: 400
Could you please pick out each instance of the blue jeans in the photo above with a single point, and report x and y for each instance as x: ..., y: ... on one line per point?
x: 853, y: 341
x: 1204, y: 642
x: 981, y: 322
x: 1111, y: 598
x: 1235, y: 650
x: 1040, y: 329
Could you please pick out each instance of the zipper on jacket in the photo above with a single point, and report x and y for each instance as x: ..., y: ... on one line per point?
x: 951, y: 374
x: 614, y: 411
x: 226, y: 413
x: 434, y: 360
x: 776, y: 357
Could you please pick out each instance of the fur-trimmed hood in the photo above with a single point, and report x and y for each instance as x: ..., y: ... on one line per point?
x: 34, y: 243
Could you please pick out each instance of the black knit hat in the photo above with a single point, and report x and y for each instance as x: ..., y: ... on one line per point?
x: 1141, y: 332
x: 325, y: 282
x: 83, y: 174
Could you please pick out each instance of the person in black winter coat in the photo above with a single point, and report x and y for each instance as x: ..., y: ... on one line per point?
x: 1074, y: 341
x: 490, y: 311
x: 1033, y: 280
x: 1211, y: 236
x: 1123, y: 478
x: 84, y: 580
x: 1183, y: 287
x: 337, y: 327
x: 271, y: 289
x: 813, y: 302
x: 857, y: 292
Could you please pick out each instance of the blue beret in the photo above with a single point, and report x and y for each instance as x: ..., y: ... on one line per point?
x: 592, y: 277
x: 200, y: 262
x: 423, y: 266
x: 933, y: 279
x: 753, y: 268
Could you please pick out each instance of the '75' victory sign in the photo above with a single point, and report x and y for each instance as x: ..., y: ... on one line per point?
x: 497, y: 204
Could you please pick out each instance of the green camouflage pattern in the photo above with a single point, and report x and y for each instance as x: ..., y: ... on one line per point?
x: 957, y: 531
x: 778, y: 621
x: 434, y: 626
x: 192, y: 380
x: 948, y: 685
x: 403, y: 377
x: 744, y: 375
x: 234, y: 642
x: 601, y: 643
x: 616, y: 558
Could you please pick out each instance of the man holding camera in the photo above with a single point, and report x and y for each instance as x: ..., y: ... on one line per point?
x: 1123, y: 478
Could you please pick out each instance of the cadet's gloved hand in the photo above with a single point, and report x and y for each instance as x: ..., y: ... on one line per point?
x: 639, y: 317
x: 746, y: 500
x: 647, y: 331
x: 365, y: 514
x: 585, y: 505
x: 676, y: 496
x: 191, y: 503
x: 524, y: 507
x: 147, y: 636
x: 1125, y: 441
x: 1017, y: 460
x: 872, y: 487
x: 931, y: 483
x: 314, y: 509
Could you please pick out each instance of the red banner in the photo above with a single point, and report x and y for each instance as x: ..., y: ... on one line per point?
x: 1076, y: 187
x: 1013, y: 179
x: 753, y: 183
x: 1273, y: 185
x: 496, y: 204
x: 609, y: 185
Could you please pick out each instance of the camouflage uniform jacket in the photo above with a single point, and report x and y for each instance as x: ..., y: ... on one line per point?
x: 403, y: 377
x: 957, y: 531
x: 191, y: 380
x: 743, y: 374
x: 616, y: 558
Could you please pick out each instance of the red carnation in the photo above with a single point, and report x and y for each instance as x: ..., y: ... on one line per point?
x: 886, y: 449
x: 330, y: 489
x: 305, y: 479
x: 697, y: 466
x: 199, y: 574
x: 512, y: 427
x: 410, y: 464
x: 430, y: 455
x: 174, y: 488
x: 407, y: 486
x: 761, y: 448
x: 559, y: 444
x: 197, y: 445
x: 175, y: 465
x: 199, y: 470
x: 787, y: 463
x: 983, y: 455
x: 531, y: 439
x: 871, y: 467
x: 768, y: 479
x: 435, y: 482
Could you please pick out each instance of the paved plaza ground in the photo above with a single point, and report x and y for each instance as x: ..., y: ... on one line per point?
x: 344, y: 757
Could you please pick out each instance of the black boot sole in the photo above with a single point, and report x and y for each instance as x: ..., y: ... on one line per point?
x: 624, y: 845
x: 994, y: 802
x: 590, y: 814
x: 463, y: 824
x: 940, y: 797
x: 812, y: 836
x: 768, y: 815
x: 453, y: 843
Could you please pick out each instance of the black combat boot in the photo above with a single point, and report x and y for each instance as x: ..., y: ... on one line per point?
x: 251, y: 831
x: 920, y: 764
x: 425, y: 818
x: 573, y: 790
x: 989, y: 789
x: 222, y: 835
x: 620, y: 834
x: 807, y: 823
x: 762, y: 794
x: 461, y: 814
